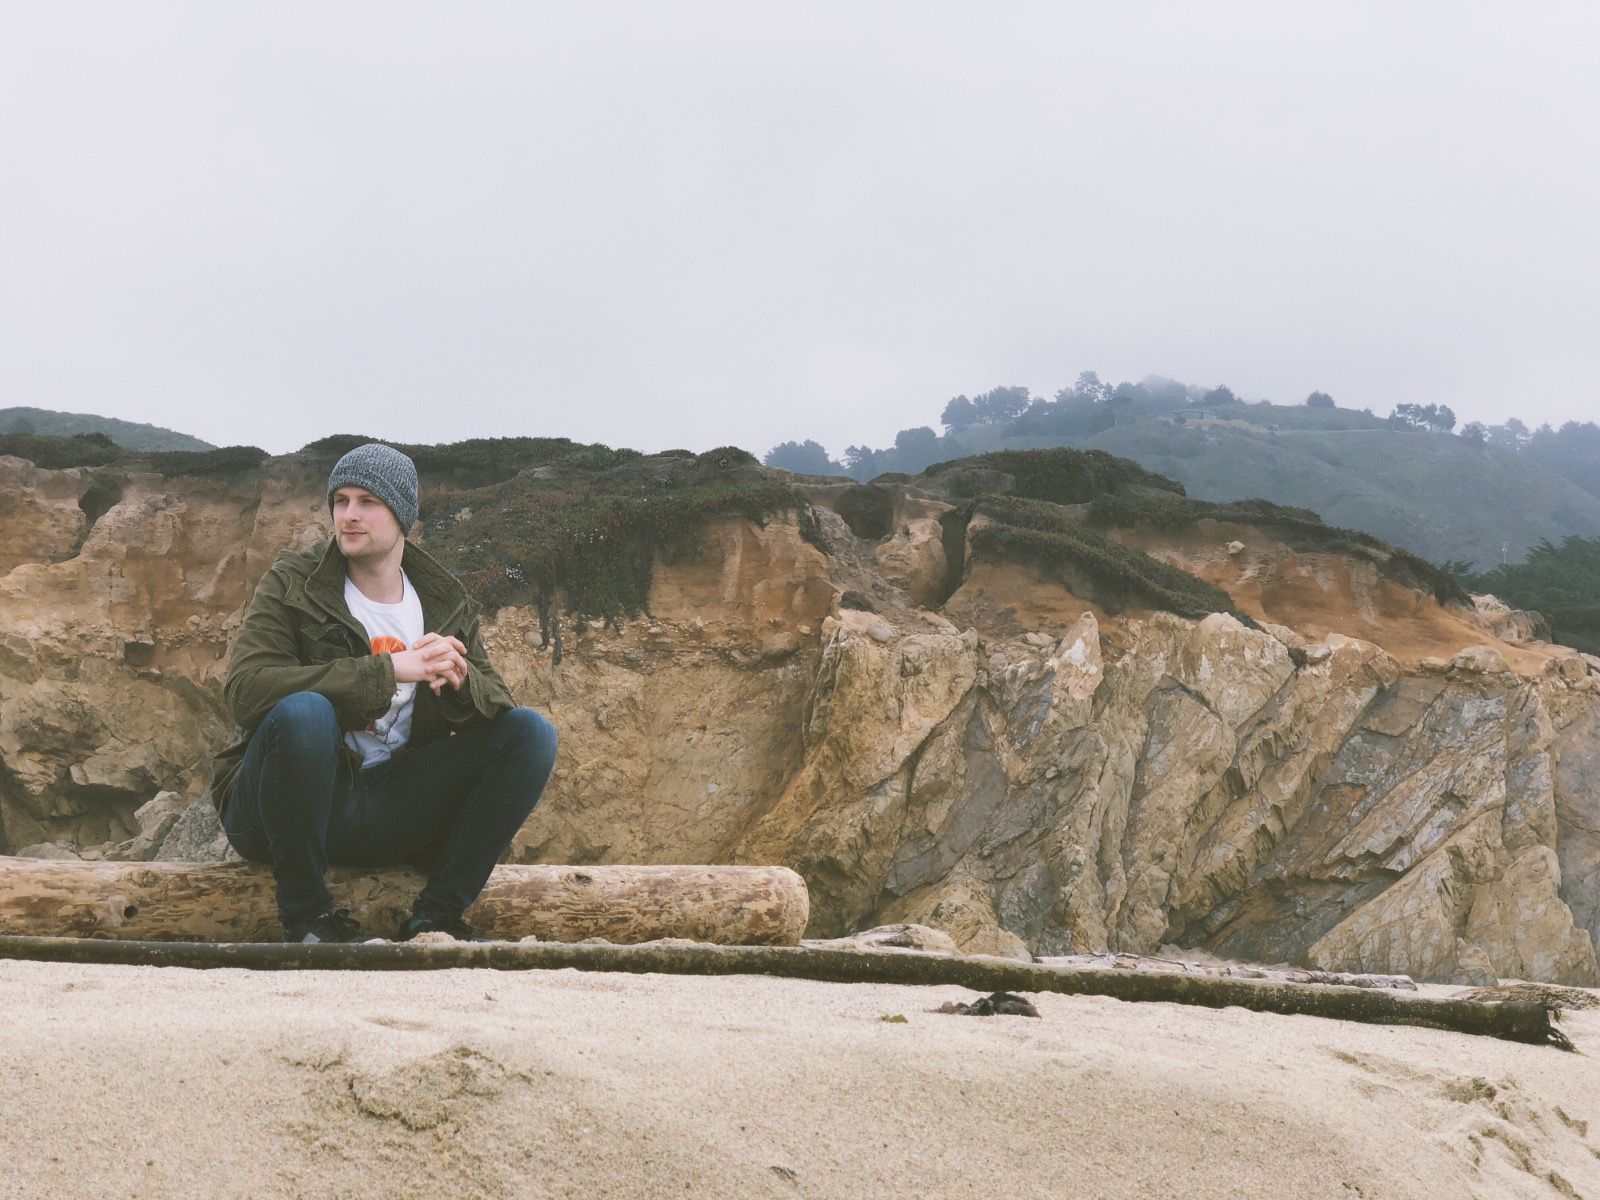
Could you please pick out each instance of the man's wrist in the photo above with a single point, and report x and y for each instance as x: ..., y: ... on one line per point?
x: 386, y: 682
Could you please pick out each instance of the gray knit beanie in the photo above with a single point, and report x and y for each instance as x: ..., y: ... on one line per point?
x: 383, y: 471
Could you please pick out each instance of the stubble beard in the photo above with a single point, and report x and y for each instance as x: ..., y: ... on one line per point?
x: 366, y: 549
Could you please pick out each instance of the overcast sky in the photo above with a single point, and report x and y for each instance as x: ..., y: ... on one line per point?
x: 674, y: 224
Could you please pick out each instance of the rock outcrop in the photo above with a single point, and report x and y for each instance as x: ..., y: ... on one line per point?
x: 928, y: 736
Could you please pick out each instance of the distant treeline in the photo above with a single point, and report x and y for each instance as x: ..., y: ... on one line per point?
x: 1081, y: 410
x: 1013, y: 416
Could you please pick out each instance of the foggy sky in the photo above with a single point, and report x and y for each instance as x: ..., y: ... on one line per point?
x: 670, y: 224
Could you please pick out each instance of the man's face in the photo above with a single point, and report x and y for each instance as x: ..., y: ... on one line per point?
x: 365, y: 527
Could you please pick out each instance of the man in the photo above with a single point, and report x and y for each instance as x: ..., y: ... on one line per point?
x: 375, y: 729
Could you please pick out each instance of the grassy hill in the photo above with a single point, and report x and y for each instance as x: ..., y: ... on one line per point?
x: 1437, y: 495
x: 128, y: 434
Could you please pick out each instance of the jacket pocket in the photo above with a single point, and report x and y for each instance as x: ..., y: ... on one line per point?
x: 323, y: 643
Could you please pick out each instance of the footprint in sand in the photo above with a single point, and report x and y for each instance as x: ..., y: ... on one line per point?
x: 402, y: 1023
x: 1502, y: 1133
x: 430, y: 1091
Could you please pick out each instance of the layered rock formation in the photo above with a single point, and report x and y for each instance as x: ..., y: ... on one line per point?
x: 1344, y: 774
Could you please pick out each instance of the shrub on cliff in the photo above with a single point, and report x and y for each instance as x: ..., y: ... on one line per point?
x: 1061, y: 475
x: 229, y: 460
x: 1560, y: 581
x: 58, y: 453
x: 98, y: 450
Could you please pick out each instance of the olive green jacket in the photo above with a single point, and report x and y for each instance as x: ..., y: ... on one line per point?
x: 299, y: 636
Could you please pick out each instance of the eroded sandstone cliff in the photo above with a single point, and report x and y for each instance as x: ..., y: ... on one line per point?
x: 1343, y: 772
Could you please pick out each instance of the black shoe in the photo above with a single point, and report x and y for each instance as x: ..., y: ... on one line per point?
x: 454, y: 926
x: 335, y: 925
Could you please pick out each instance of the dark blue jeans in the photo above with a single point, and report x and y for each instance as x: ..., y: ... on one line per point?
x: 453, y: 805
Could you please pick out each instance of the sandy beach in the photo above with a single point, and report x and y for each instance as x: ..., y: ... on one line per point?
x: 147, y: 1082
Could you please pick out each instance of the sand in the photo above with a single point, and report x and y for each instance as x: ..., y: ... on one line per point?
x: 149, y: 1082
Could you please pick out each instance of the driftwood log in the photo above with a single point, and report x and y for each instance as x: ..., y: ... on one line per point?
x: 233, y: 902
x: 1122, y: 961
x: 1516, y: 1021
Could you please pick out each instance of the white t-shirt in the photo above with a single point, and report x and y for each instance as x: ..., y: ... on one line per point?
x: 390, y: 629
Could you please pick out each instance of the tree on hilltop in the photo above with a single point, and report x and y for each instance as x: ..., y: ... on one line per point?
x: 916, y: 449
x: 1439, y: 417
x: 1406, y: 416
x: 1001, y: 404
x: 1089, y: 387
x: 803, y: 458
x: 993, y: 407
x: 1513, y: 435
x: 861, y: 462
x: 958, y: 414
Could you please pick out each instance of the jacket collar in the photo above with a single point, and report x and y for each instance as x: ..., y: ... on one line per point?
x: 441, y: 593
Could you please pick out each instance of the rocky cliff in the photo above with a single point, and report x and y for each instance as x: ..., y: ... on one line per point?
x: 913, y: 694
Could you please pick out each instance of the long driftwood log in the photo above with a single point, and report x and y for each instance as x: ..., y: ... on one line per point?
x: 233, y: 902
x: 1515, y: 1021
x: 1123, y: 961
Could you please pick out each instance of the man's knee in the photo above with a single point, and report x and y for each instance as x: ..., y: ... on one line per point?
x: 306, y: 718
x: 287, y: 775
x: 531, y: 733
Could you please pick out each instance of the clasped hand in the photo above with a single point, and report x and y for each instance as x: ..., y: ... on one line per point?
x: 434, y: 660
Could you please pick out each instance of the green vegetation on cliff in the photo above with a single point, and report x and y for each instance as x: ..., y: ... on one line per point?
x: 1060, y: 476
x: 1562, y: 582
x: 479, y: 461
x: 59, y: 453
x: 98, y: 450
x: 581, y: 534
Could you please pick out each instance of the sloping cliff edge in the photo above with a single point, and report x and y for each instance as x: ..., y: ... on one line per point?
x: 1342, y: 773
